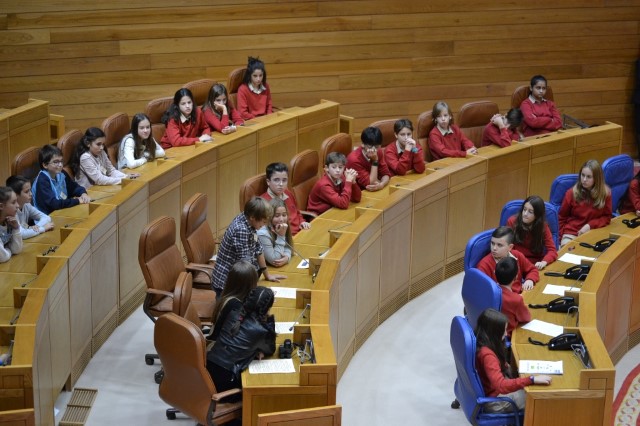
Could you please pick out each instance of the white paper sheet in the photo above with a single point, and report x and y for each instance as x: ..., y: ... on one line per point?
x: 544, y: 327
x: 527, y: 366
x: 284, y: 292
x: 304, y: 264
x: 271, y: 366
x: 574, y: 258
x: 558, y: 289
x: 283, y: 327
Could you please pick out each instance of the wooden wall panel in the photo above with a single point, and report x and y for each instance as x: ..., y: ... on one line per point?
x: 378, y: 59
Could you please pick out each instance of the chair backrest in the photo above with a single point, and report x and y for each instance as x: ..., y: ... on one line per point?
x: 559, y: 187
x: 522, y: 92
x: 115, y: 127
x: 195, y: 233
x: 155, y: 109
x: 478, y: 247
x: 303, y: 175
x: 233, y: 83
x: 479, y: 292
x: 158, y: 255
x: 26, y: 163
x: 254, y: 186
x: 551, y: 216
x: 473, y: 118
x: 386, y: 128
x: 200, y: 89
x: 424, y: 126
x: 340, y: 142
x: 187, y: 385
x: 618, y: 172
x: 68, y: 144
x: 182, y: 305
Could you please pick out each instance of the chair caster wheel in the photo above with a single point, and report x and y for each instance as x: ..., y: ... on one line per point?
x: 148, y: 360
x: 171, y: 416
x: 455, y: 404
x: 158, y: 377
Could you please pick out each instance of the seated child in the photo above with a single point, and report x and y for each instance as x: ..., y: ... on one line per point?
x: 138, y: 146
x: 502, y: 129
x: 218, y: 112
x: 10, y: 237
x: 405, y: 154
x: 91, y: 164
x: 512, y: 303
x: 275, y: 236
x: 26, y: 212
x: 446, y: 139
x: 540, y: 115
x: 185, y: 122
x: 277, y: 179
x: 53, y: 189
x: 631, y: 200
x: 501, y: 247
x: 336, y: 187
x: 254, y: 95
x: 368, y: 161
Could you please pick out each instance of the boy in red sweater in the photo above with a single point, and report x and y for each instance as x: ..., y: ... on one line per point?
x: 336, y: 188
x: 512, y: 303
x: 501, y: 247
x: 277, y: 180
x: 368, y: 161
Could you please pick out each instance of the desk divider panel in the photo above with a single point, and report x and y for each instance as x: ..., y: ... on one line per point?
x: 597, y: 143
x: 551, y: 155
x: 316, y: 123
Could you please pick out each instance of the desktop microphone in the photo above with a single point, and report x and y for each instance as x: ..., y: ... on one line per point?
x: 296, y: 252
x: 342, y: 226
x: 577, y: 311
x: 579, y: 284
x: 300, y: 316
x: 74, y: 223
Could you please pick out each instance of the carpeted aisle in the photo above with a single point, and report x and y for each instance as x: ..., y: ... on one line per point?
x: 626, y: 406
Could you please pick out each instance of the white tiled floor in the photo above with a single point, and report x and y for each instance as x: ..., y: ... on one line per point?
x: 403, y: 374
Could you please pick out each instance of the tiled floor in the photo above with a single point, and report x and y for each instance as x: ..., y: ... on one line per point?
x: 402, y: 375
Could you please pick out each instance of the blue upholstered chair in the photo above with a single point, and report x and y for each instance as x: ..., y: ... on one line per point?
x: 618, y: 172
x: 479, y: 292
x: 559, y: 188
x: 513, y: 208
x: 468, y: 388
x: 478, y: 247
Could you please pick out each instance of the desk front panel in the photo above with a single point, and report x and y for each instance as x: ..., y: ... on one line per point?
x: 551, y: 155
x: 597, y: 143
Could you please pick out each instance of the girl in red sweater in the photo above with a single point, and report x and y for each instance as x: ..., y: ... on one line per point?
x: 540, y: 114
x: 493, y: 368
x: 533, y: 237
x: 446, y: 139
x: 587, y: 205
x: 631, y: 201
x: 218, y: 114
x: 184, y: 121
x: 254, y: 95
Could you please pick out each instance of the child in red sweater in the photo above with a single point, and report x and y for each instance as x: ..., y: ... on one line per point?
x: 405, y: 154
x: 512, y: 303
x: 533, y: 237
x: 368, y: 161
x: 587, y: 205
x: 277, y: 180
x: 184, y: 121
x: 631, y: 201
x: 254, y: 95
x: 502, y: 129
x: 501, y: 247
x: 494, y: 370
x: 446, y: 139
x: 540, y: 115
x: 336, y: 187
x: 218, y: 114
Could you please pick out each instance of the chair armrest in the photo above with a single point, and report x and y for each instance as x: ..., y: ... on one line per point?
x: 221, y: 395
x: 160, y: 292
x: 308, y: 214
x: 202, y: 267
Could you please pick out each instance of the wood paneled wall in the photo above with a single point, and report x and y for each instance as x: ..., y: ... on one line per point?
x: 378, y: 59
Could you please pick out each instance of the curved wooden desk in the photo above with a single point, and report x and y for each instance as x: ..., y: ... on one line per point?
x: 417, y: 228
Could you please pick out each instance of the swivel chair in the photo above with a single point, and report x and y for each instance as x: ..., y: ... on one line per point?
x: 618, y: 172
x: 479, y: 292
x: 424, y: 126
x: 513, y: 207
x: 303, y: 176
x: 477, y: 247
x: 197, y: 239
x: 474, y: 117
x: 386, y: 128
x: 200, y: 89
x: 559, y: 187
x: 115, y: 127
x: 67, y: 144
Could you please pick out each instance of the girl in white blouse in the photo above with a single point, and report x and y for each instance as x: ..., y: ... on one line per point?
x: 139, y: 146
x: 26, y: 212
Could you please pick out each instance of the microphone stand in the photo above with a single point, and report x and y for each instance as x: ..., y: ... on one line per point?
x: 300, y: 316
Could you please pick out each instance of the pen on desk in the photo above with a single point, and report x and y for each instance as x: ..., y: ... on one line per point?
x: 101, y: 198
x: 24, y: 284
x: 74, y: 223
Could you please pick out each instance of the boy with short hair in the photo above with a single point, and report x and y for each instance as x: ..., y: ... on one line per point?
x: 512, y: 303
x: 368, y: 161
x: 336, y: 187
x: 277, y: 180
x: 240, y: 242
x: 501, y: 247
x: 53, y: 189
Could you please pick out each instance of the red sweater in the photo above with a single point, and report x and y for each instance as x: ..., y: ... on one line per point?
x: 525, y: 247
x: 493, y: 381
x: 573, y: 215
x: 357, y: 161
x: 252, y: 105
x: 539, y: 117
x: 295, y: 217
x: 326, y: 194
x: 526, y: 270
x: 218, y: 124
x: 183, y: 134
x: 492, y: 135
x: 631, y: 201
x: 400, y: 164
x: 453, y: 144
x: 514, y: 308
